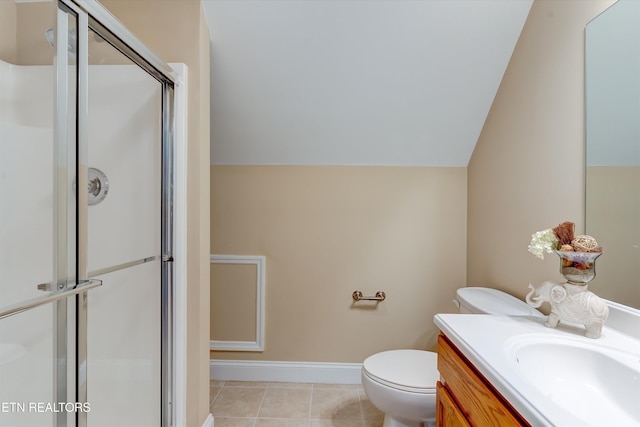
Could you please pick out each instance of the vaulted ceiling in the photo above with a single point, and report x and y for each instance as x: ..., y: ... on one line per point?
x: 356, y: 82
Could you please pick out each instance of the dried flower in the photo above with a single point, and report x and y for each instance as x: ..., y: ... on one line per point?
x: 561, y: 238
x: 543, y: 241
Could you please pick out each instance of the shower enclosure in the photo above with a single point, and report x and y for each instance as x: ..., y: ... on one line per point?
x: 87, y: 275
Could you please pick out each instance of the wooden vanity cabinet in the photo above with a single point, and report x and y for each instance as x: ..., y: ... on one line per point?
x: 465, y: 398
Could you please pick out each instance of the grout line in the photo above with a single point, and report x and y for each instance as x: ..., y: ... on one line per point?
x: 313, y: 388
x: 361, y: 407
x: 255, y: 420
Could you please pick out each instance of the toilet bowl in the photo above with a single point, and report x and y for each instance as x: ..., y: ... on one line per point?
x: 402, y: 383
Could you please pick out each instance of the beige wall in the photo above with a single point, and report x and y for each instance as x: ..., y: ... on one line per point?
x: 527, y: 171
x: 33, y: 20
x: 22, y: 26
x: 8, y: 31
x: 176, y: 31
x: 613, y: 207
x: 328, y: 231
x: 237, y: 283
x: 201, y: 230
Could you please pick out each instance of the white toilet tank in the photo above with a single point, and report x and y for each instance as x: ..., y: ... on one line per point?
x: 492, y: 301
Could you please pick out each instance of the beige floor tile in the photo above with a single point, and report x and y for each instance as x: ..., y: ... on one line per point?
x: 336, y: 386
x: 213, y: 393
x: 336, y: 423
x: 335, y: 404
x: 233, y: 422
x: 238, y: 402
x: 262, y: 384
x: 291, y: 385
x: 286, y: 403
x: 274, y: 404
x: 281, y: 422
x: 369, y: 411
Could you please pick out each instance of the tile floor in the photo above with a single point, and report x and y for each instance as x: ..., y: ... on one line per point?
x: 265, y: 404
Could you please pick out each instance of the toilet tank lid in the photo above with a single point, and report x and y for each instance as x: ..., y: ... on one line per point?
x: 493, y: 301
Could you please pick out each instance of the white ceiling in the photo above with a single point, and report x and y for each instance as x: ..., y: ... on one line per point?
x: 355, y: 82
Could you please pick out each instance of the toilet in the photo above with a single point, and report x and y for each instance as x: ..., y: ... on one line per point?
x: 402, y: 383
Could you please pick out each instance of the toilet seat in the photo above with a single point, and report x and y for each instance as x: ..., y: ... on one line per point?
x: 414, y: 371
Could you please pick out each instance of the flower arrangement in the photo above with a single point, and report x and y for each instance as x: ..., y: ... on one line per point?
x: 561, y: 238
x: 570, y: 301
x: 577, y: 253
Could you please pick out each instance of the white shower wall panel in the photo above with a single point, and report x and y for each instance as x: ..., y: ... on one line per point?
x: 123, y: 369
x: 26, y: 239
x: 27, y: 95
x: 124, y: 143
x: 26, y: 172
x: 124, y: 315
x: 26, y: 367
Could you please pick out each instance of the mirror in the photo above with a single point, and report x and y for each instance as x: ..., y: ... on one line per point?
x: 612, y: 77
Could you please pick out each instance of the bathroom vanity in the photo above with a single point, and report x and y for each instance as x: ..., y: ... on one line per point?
x: 498, y: 370
x: 464, y: 397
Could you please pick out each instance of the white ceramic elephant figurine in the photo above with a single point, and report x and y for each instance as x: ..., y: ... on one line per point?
x: 572, y: 303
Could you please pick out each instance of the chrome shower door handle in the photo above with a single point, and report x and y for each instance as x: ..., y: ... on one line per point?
x: 83, y: 286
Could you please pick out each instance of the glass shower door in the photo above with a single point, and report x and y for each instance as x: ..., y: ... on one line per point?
x: 124, y: 240
x: 86, y: 191
x: 38, y: 224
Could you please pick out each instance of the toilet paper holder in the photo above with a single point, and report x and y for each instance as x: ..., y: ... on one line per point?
x: 357, y: 296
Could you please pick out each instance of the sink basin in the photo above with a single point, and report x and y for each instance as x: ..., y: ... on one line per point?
x: 598, y: 385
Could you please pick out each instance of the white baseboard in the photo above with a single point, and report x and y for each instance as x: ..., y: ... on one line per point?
x: 208, y: 422
x: 299, y: 372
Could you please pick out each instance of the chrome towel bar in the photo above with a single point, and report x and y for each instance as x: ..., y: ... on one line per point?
x: 357, y: 296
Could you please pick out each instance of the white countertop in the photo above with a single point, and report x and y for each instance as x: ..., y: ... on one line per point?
x: 486, y: 339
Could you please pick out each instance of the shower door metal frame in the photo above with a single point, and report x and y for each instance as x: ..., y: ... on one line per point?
x: 62, y: 144
x: 92, y: 15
